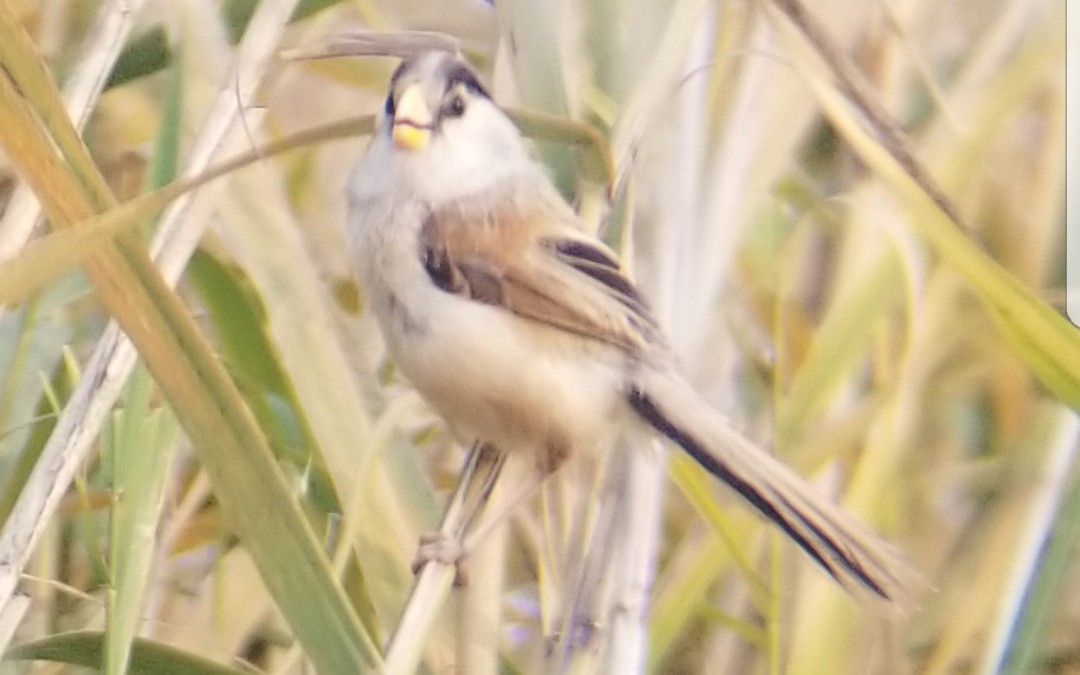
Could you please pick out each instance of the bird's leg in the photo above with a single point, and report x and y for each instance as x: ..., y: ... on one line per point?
x: 450, y: 548
x: 495, y: 460
x: 482, y: 467
x: 483, y: 528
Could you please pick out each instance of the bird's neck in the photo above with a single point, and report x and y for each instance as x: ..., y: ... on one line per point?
x: 478, y: 186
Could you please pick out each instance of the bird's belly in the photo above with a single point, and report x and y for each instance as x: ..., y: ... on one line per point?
x: 503, y: 379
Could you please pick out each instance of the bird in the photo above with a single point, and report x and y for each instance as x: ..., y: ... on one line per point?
x: 524, y: 332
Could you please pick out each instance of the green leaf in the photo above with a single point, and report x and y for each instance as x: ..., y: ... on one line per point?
x: 1056, y: 564
x: 142, y: 449
x: 84, y: 648
x: 239, y: 318
x: 1039, y: 335
x: 46, y: 151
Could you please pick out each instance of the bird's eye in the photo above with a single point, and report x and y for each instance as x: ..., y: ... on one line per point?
x: 455, y: 107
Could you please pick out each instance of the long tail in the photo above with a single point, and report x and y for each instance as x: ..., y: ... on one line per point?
x: 844, y: 547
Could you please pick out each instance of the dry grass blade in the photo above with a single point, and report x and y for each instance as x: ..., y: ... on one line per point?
x: 61, y: 252
x: 198, y: 388
x: 1039, y: 334
x: 400, y: 44
x: 10, y: 617
x: 103, y: 46
x: 46, y: 260
x: 1046, y: 340
x: 852, y: 84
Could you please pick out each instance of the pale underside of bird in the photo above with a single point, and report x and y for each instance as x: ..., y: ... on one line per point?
x: 523, y: 332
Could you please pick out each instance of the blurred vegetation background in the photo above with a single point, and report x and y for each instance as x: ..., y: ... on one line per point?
x: 247, y: 494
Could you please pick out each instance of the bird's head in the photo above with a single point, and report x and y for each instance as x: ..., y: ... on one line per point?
x: 445, y: 128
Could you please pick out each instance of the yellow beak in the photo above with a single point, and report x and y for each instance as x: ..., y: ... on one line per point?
x: 412, y: 120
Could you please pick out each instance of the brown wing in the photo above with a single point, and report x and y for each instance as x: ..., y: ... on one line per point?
x: 552, y: 275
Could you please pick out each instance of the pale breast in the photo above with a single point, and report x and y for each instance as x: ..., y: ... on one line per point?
x: 502, y: 379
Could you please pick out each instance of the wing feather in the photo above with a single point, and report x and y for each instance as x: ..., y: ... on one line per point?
x: 552, y: 275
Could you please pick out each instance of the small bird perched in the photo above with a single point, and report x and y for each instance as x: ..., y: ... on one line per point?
x: 522, y: 331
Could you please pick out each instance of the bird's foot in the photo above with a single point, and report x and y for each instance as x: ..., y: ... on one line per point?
x: 443, y: 549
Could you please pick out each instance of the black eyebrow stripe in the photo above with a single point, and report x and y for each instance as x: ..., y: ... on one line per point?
x: 461, y: 74
x: 398, y: 71
x: 390, y: 103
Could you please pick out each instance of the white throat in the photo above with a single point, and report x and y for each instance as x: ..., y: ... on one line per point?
x: 467, y: 156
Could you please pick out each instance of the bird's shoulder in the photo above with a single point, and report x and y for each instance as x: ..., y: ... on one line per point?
x: 533, y: 259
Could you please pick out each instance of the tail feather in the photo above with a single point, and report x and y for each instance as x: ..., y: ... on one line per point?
x: 842, y: 546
